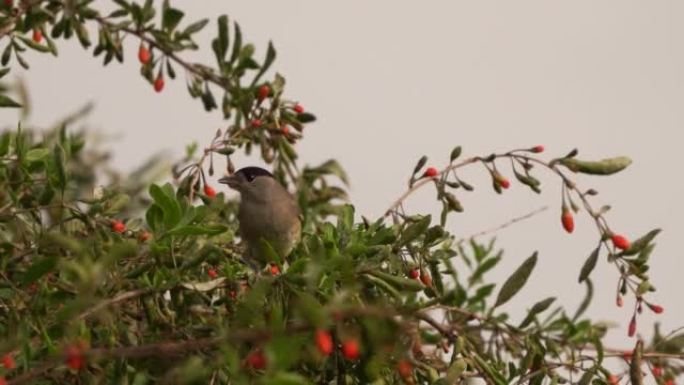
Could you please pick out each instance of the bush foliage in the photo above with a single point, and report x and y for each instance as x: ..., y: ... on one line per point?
x: 141, y: 282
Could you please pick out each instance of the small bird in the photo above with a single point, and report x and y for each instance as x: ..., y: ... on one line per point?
x: 268, y: 214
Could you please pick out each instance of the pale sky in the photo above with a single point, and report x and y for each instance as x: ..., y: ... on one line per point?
x: 393, y: 80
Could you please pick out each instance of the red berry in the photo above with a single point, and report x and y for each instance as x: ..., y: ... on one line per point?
x: 413, y: 274
x: 144, y: 236
x: 568, y: 221
x: 275, y: 270
x: 74, y: 357
x: 632, y: 327
x: 655, y: 308
x: 144, y: 54
x: 232, y: 294
x: 256, y: 360
x: 501, y: 180
x: 618, y: 301
x: 212, y: 273
x: 431, y: 172
x: 298, y: 108
x: 669, y: 381
x: 620, y: 242
x: 324, y: 342
x: 8, y: 362
x: 657, y: 371
x: 613, y: 380
x: 37, y: 35
x: 426, y: 279
x: 263, y: 92
x: 285, y: 130
x: 9, y: 3
x: 209, y: 191
x: 159, y: 83
x: 3, y: 381
x: 537, y: 149
x: 405, y: 368
x: 351, y: 349
x: 118, y: 227
x: 256, y: 123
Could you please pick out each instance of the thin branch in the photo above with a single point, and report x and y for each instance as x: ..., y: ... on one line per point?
x: 118, y: 298
x: 424, y: 181
x: 506, y: 224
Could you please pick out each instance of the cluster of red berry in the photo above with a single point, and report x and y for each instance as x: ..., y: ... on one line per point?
x: 264, y: 92
x: 145, y: 57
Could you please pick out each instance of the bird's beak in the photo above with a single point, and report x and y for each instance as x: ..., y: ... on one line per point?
x: 231, y: 180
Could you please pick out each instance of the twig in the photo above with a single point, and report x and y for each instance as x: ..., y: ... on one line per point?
x: 426, y: 180
x: 119, y: 298
x: 506, y: 224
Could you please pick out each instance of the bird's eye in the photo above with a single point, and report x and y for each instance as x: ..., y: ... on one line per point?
x: 249, y: 177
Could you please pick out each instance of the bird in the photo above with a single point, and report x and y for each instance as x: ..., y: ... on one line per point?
x: 268, y: 215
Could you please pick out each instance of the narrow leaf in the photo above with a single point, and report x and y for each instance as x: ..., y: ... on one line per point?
x: 455, y: 153
x: 421, y: 162
x: 536, y: 309
x: 415, y: 229
x: 589, y: 264
x: 641, y: 243
x: 516, y: 281
x: 6, y: 101
x: 635, y: 366
x: 586, y: 301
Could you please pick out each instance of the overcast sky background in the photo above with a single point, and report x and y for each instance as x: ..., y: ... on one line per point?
x: 392, y: 80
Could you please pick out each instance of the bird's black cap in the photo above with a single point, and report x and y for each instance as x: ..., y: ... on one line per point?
x: 252, y: 172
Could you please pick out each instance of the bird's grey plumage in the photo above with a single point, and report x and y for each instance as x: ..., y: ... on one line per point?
x: 267, y: 213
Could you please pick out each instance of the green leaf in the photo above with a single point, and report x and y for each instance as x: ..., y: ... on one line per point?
x: 4, y: 72
x: 397, y: 282
x: 306, y: 117
x: 641, y: 243
x: 5, y: 143
x: 421, y: 162
x: 154, y: 217
x: 516, y: 281
x: 38, y: 269
x: 288, y: 379
x: 59, y: 158
x: 32, y: 44
x: 414, y: 230
x: 270, y: 58
x: 589, y: 264
x: 586, y: 301
x: 6, y: 54
x: 208, y: 100
x: 116, y: 203
x: 168, y: 204
x: 333, y: 167
x: 484, y: 267
x: 220, y: 44
x: 635, y: 366
x: 6, y: 101
x: 195, y: 27
x: 601, y: 167
x: 171, y: 17
x: 529, y: 181
x: 586, y: 377
x: 455, y: 153
x: 37, y: 154
x: 237, y: 45
x: 455, y: 370
x: 536, y: 309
